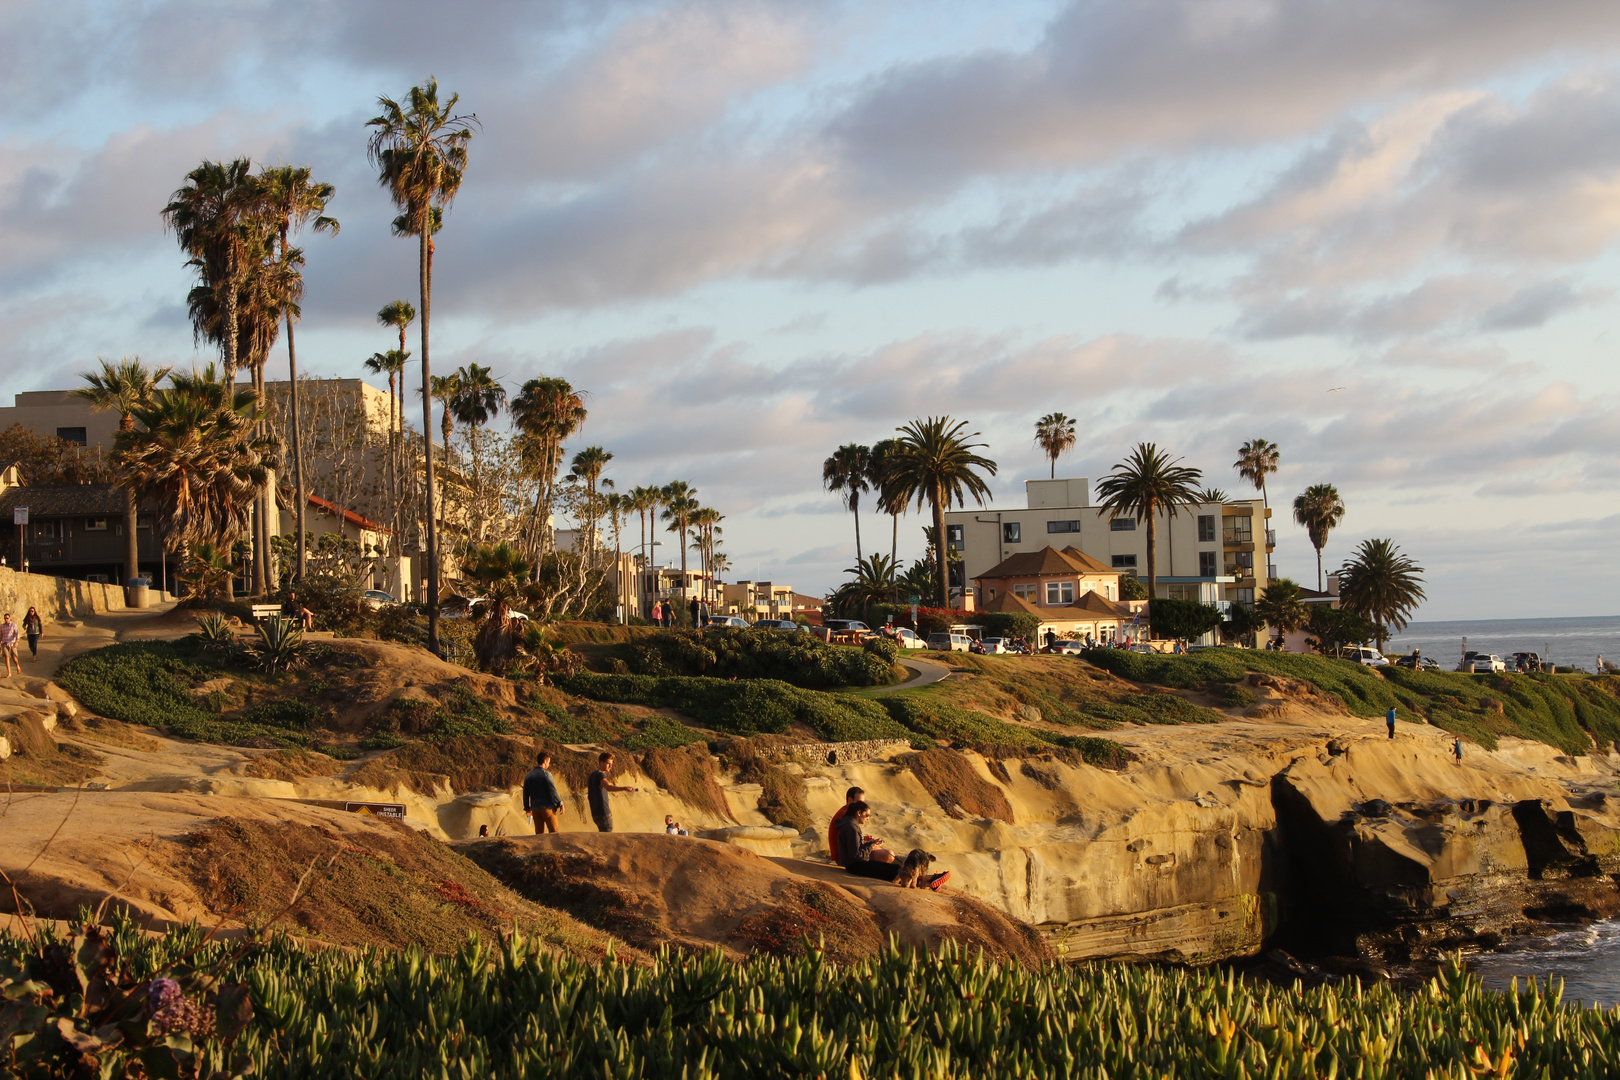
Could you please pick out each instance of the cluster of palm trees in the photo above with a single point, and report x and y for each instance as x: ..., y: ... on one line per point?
x: 676, y: 503
x: 932, y: 464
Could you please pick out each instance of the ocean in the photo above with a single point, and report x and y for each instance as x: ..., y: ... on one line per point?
x: 1576, y: 642
x: 1587, y: 958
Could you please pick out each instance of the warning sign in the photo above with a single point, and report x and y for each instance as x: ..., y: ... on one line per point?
x: 377, y: 809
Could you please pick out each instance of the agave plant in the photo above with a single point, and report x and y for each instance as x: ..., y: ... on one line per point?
x: 216, y: 631
x: 281, y: 643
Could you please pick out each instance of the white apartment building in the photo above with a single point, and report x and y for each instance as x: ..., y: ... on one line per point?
x: 1210, y: 552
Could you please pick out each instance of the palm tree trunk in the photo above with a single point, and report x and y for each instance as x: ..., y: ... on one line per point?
x: 894, y: 553
x: 266, y: 500
x: 230, y: 323
x: 1054, y: 466
x: 298, y: 446
x: 1319, y: 570
x: 941, y: 548
x: 132, y: 547
x: 1152, y: 553
x: 424, y: 280
x: 855, y: 509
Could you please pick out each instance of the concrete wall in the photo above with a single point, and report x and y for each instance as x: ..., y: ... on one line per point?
x: 56, y: 598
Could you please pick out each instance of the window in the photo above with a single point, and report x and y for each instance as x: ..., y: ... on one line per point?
x: 45, y: 530
x: 1181, y: 591
x: 1124, y: 562
x: 1032, y: 593
x: 95, y: 524
x: 1238, y: 530
x: 1122, y: 524
x: 953, y: 534
x: 1206, y: 564
x: 72, y: 435
x: 990, y: 594
x: 1062, y: 526
x: 1059, y: 592
x: 1240, y: 563
x: 1012, y: 532
x: 1242, y: 596
x: 1206, y: 528
x: 143, y: 522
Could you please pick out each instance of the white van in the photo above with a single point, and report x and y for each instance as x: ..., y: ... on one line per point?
x: 949, y: 642
x: 1365, y: 654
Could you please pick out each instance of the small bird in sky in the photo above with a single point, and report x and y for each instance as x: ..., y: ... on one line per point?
x: 1336, y: 389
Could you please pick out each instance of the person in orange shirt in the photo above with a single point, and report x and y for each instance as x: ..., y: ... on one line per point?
x: 851, y: 797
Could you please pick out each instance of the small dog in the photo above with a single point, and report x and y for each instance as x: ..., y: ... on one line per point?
x: 914, y: 871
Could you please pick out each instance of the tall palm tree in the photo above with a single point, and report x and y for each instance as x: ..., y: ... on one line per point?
x: 392, y: 364
x: 477, y: 401
x: 197, y: 455
x: 872, y: 581
x: 1282, y: 607
x: 122, y: 388
x: 643, y: 500
x: 445, y: 389
x: 1212, y: 495
x: 882, y: 461
x: 1381, y: 584
x: 399, y: 314
x: 680, y: 503
x: 420, y: 151
x: 1319, y: 509
x: 1142, y: 486
x: 587, y: 465
x: 215, y: 218
x: 848, y: 473
x: 936, y: 467
x: 1054, y: 434
x: 706, y: 522
x: 293, y: 199
x: 547, y: 411
x: 1257, y: 459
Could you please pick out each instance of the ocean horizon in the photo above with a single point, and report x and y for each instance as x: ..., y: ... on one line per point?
x: 1576, y: 641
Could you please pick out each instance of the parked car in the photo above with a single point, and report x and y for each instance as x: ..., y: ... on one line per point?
x: 717, y: 621
x: 1366, y: 654
x: 1405, y: 660
x: 949, y: 642
x: 1139, y: 648
x: 779, y: 624
x: 908, y: 639
x: 993, y: 645
x: 376, y: 598
x: 1485, y: 663
x: 1066, y: 646
x: 847, y: 626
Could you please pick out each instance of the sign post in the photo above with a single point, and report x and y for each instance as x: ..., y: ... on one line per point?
x: 19, y: 518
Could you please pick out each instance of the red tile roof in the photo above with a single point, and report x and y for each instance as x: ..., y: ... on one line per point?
x: 348, y: 515
x: 1047, y: 562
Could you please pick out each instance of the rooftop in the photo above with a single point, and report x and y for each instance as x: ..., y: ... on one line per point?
x: 1047, y: 562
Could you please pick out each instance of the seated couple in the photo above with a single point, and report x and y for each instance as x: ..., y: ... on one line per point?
x: 865, y: 856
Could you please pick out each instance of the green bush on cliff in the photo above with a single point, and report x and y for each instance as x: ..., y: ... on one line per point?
x: 293, y: 1010
x: 790, y: 657
x: 941, y: 720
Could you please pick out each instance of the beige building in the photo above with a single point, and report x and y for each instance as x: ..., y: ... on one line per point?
x: 1213, y: 552
x: 1071, y: 593
x: 758, y: 599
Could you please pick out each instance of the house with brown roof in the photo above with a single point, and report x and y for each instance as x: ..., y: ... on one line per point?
x: 1070, y: 592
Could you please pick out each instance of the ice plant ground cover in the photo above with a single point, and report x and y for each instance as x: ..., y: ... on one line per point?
x: 510, y: 1011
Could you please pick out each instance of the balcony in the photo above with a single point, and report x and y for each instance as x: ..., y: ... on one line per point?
x: 1240, y: 566
x: 1243, y: 535
x: 1271, y: 572
x: 1271, y: 539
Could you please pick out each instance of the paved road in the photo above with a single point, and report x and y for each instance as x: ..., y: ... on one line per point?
x: 926, y: 672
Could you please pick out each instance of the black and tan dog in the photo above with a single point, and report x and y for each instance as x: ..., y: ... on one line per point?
x: 914, y: 870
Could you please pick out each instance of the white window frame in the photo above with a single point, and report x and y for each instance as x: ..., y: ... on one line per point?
x: 1059, y: 593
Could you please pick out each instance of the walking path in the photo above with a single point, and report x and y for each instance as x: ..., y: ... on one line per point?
x: 67, y: 638
x: 926, y: 672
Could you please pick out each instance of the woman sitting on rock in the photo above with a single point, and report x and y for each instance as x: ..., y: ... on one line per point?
x: 855, y: 849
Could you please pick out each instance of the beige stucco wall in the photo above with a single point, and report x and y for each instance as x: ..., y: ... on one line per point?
x: 56, y: 598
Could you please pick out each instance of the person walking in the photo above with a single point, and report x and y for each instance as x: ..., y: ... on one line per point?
x: 597, y: 788
x: 8, y: 645
x: 34, y: 626
x: 657, y: 613
x: 540, y: 799
x: 1456, y: 750
x: 693, y: 605
x: 1389, y: 718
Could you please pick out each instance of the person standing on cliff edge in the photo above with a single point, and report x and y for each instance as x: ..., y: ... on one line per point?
x: 1389, y: 718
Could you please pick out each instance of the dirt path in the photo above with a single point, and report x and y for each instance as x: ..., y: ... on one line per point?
x: 924, y: 673
x: 64, y: 640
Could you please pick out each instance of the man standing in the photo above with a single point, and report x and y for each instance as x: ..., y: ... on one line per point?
x: 693, y: 607
x: 8, y: 645
x: 597, y: 788
x: 1389, y: 718
x: 540, y: 799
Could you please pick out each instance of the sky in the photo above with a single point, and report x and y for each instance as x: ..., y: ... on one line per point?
x: 754, y: 231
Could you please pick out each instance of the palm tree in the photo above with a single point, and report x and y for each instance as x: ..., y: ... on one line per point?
x: 848, y: 473
x: 587, y: 465
x: 680, y: 503
x: 399, y: 314
x: 936, y: 466
x: 643, y: 500
x: 122, y: 388
x: 883, y: 452
x: 477, y: 400
x: 445, y: 389
x: 706, y: 521
x: 1212, y: 495
x: 1144, y: 485
x: 1381, y: 584
x: 213, y: 218
x: 1319, y: 510
x: 420, y: 151
x: 292, y: 199
x: 547, y: 411
x: 196, y: 455
x: 391, y: 364
x: 1282, y: 607
x: 1257, y: 459
x: 1054, y: 434
x: 872, y: 582
x: 500, y: 573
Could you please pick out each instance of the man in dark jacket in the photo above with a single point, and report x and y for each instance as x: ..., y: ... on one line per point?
x: 854, y: 850
x: 540, y: 799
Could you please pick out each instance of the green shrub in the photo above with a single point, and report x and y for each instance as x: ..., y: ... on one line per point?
x: 287, y: 713
x: 381, y: 740
x: 661, y: 731
x: 949, y: 723
x: 488, y: 1011
x: 882, y: 648
x: 794, y: 658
